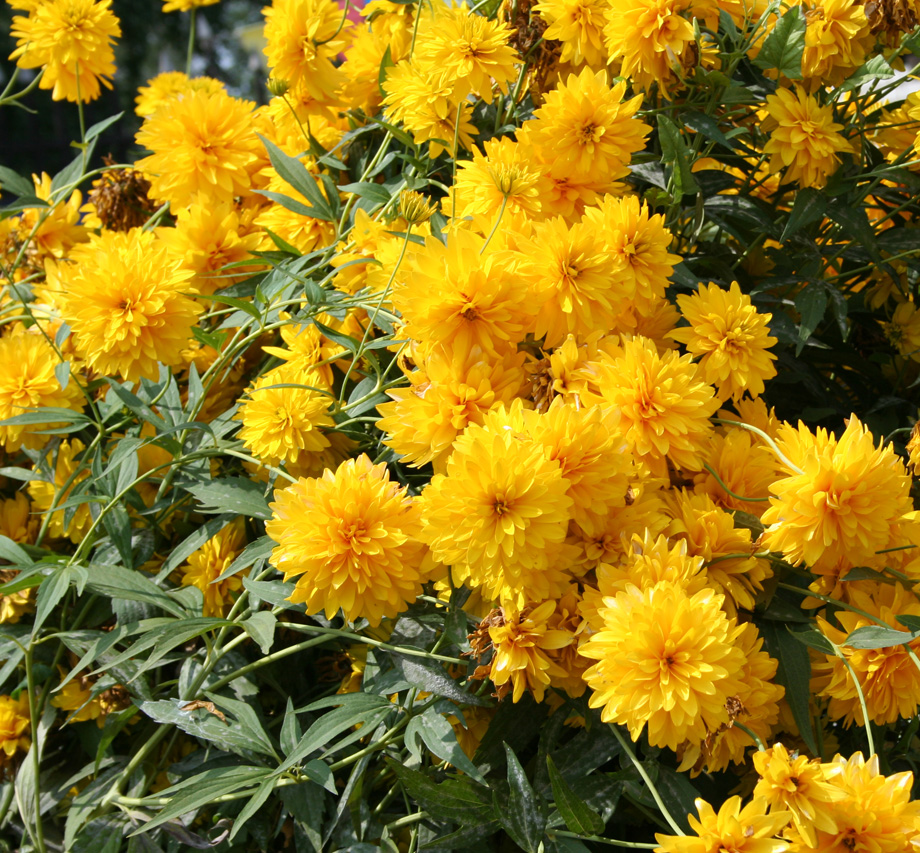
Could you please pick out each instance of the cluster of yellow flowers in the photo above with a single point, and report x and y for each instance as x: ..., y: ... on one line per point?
x: 606, y: 480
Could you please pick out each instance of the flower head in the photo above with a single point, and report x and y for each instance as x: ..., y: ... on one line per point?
x: 742, y: 830
x: 805, y: 140
x: 665, y: 659
x: 579, y: 26
x: 350, y: 539
x: 14, y: 727
x: 203, y: 143
x: 729, y: 337
x: 497, y: 513
x: 123, y: 300
x: 841, y: 505
x: 27, y: 382
x: 65, y: 477
x: 72, y: 39
x: 209, y: 562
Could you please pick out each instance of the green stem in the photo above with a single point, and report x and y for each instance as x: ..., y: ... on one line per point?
x: 614, y: 842
x: 773, y: 446
x: 645, y: 778
x: 728, y: 491
x: 191, y: 42
x: 34, y: 717
x: 859, y: 692
x: 750, y: 734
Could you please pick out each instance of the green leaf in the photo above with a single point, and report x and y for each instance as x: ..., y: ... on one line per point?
x: 293, y: 172
x: 13, y: 553
x: 794, y: 673
x: 877, y: 68
x: 95, y: 130
x: 363, y: 709
x: 398, y: 133
x: 47, y: 415
x: 431, y: 677
x: 191, y: 794
x: 232, y: 495
x: 117, y: 524
x: 261, y: 627
x: 258, y: 799
x: 910, y: 622
x: 523, y: 816
x: 274, y: 592
x: 118, y: 582
x: 194, y: 541
x: 707, y: 125
x: 678, y: 794
x: 674, y: 153
x: 50, y: 592
x: 14, y: 183
x: 73, y: 171
x: 374, y: 192
x: 439, y: 736
x: 579, y: 817
x: 878, y: 637
x: 811, y: 303
x: 457, y: 800
x: 231, y: 735
x: 783, y: 48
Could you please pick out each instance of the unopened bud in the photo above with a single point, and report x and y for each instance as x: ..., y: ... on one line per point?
x: 277, y: 87
x: 414, y: 207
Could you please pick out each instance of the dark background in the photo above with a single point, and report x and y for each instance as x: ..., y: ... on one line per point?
x: 151, y: 42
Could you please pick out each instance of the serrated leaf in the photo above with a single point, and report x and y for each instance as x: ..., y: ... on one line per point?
x: 96, y: 129
x: 14, y: 183
x: 876, y: 68
x: 232, y: 495
x: 431, y: 677
x: 439, y: 736
x: 227, y: 736
x: 794, y: 673
x: 782, y: 49
x: 523, y: 817
x: 457, y: 800
x: 293, y: 172
x: 809, y: 206
x: 674, y: 153
x: 811, y: 303
x: 366, y: 711
x: 193, y: 793
x: 118, y: 582
x: 50, y: 592
x: 579, y: 817
x: 878, y: 637
x: 261, y: 627
x: 375, y: 192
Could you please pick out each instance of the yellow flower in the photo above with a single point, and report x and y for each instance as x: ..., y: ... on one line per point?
x: 799, y: 785
x: 591, y: 454
x: 666, y: 659
x: 804, y: 139
x: 496, y: 515
x: 729, y: 337
x: 744, y: 465
x: 455, y: 297
x: 903, y: 331
x: 449, y: 391
x: 352, y: 537
x: 14, y: 605
x: 28, y: 382
x: 521, y: 642
x: 836, y: 40
x: 72, y: 523
x: 124, y: 302
x: 502, y: 176
x: 283, y: 424
x: 14, y: 727
x: 186, y: 5
x: 648, y: 36
x: 569, y: 264
x: 740, y: 830
x: 72, y: 39
x: 16, y: 519
x: 913, y: 449
x: 889, y: 680
x: 56, y: 231
x: 168, y: 86
x: 303, y: 40
x: 755, y: 707
x: 664, y: 405
x: 471, y: 50
x: 638, y: 243
x: 579, y: 26
x: 208, y: 236
x: 589, y: 126
x: 423, y: 100
x: 877, y: 813
x: 210, y: 561
x: 202, y: 143
x: 841, y: 506
x: 728, y: 551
